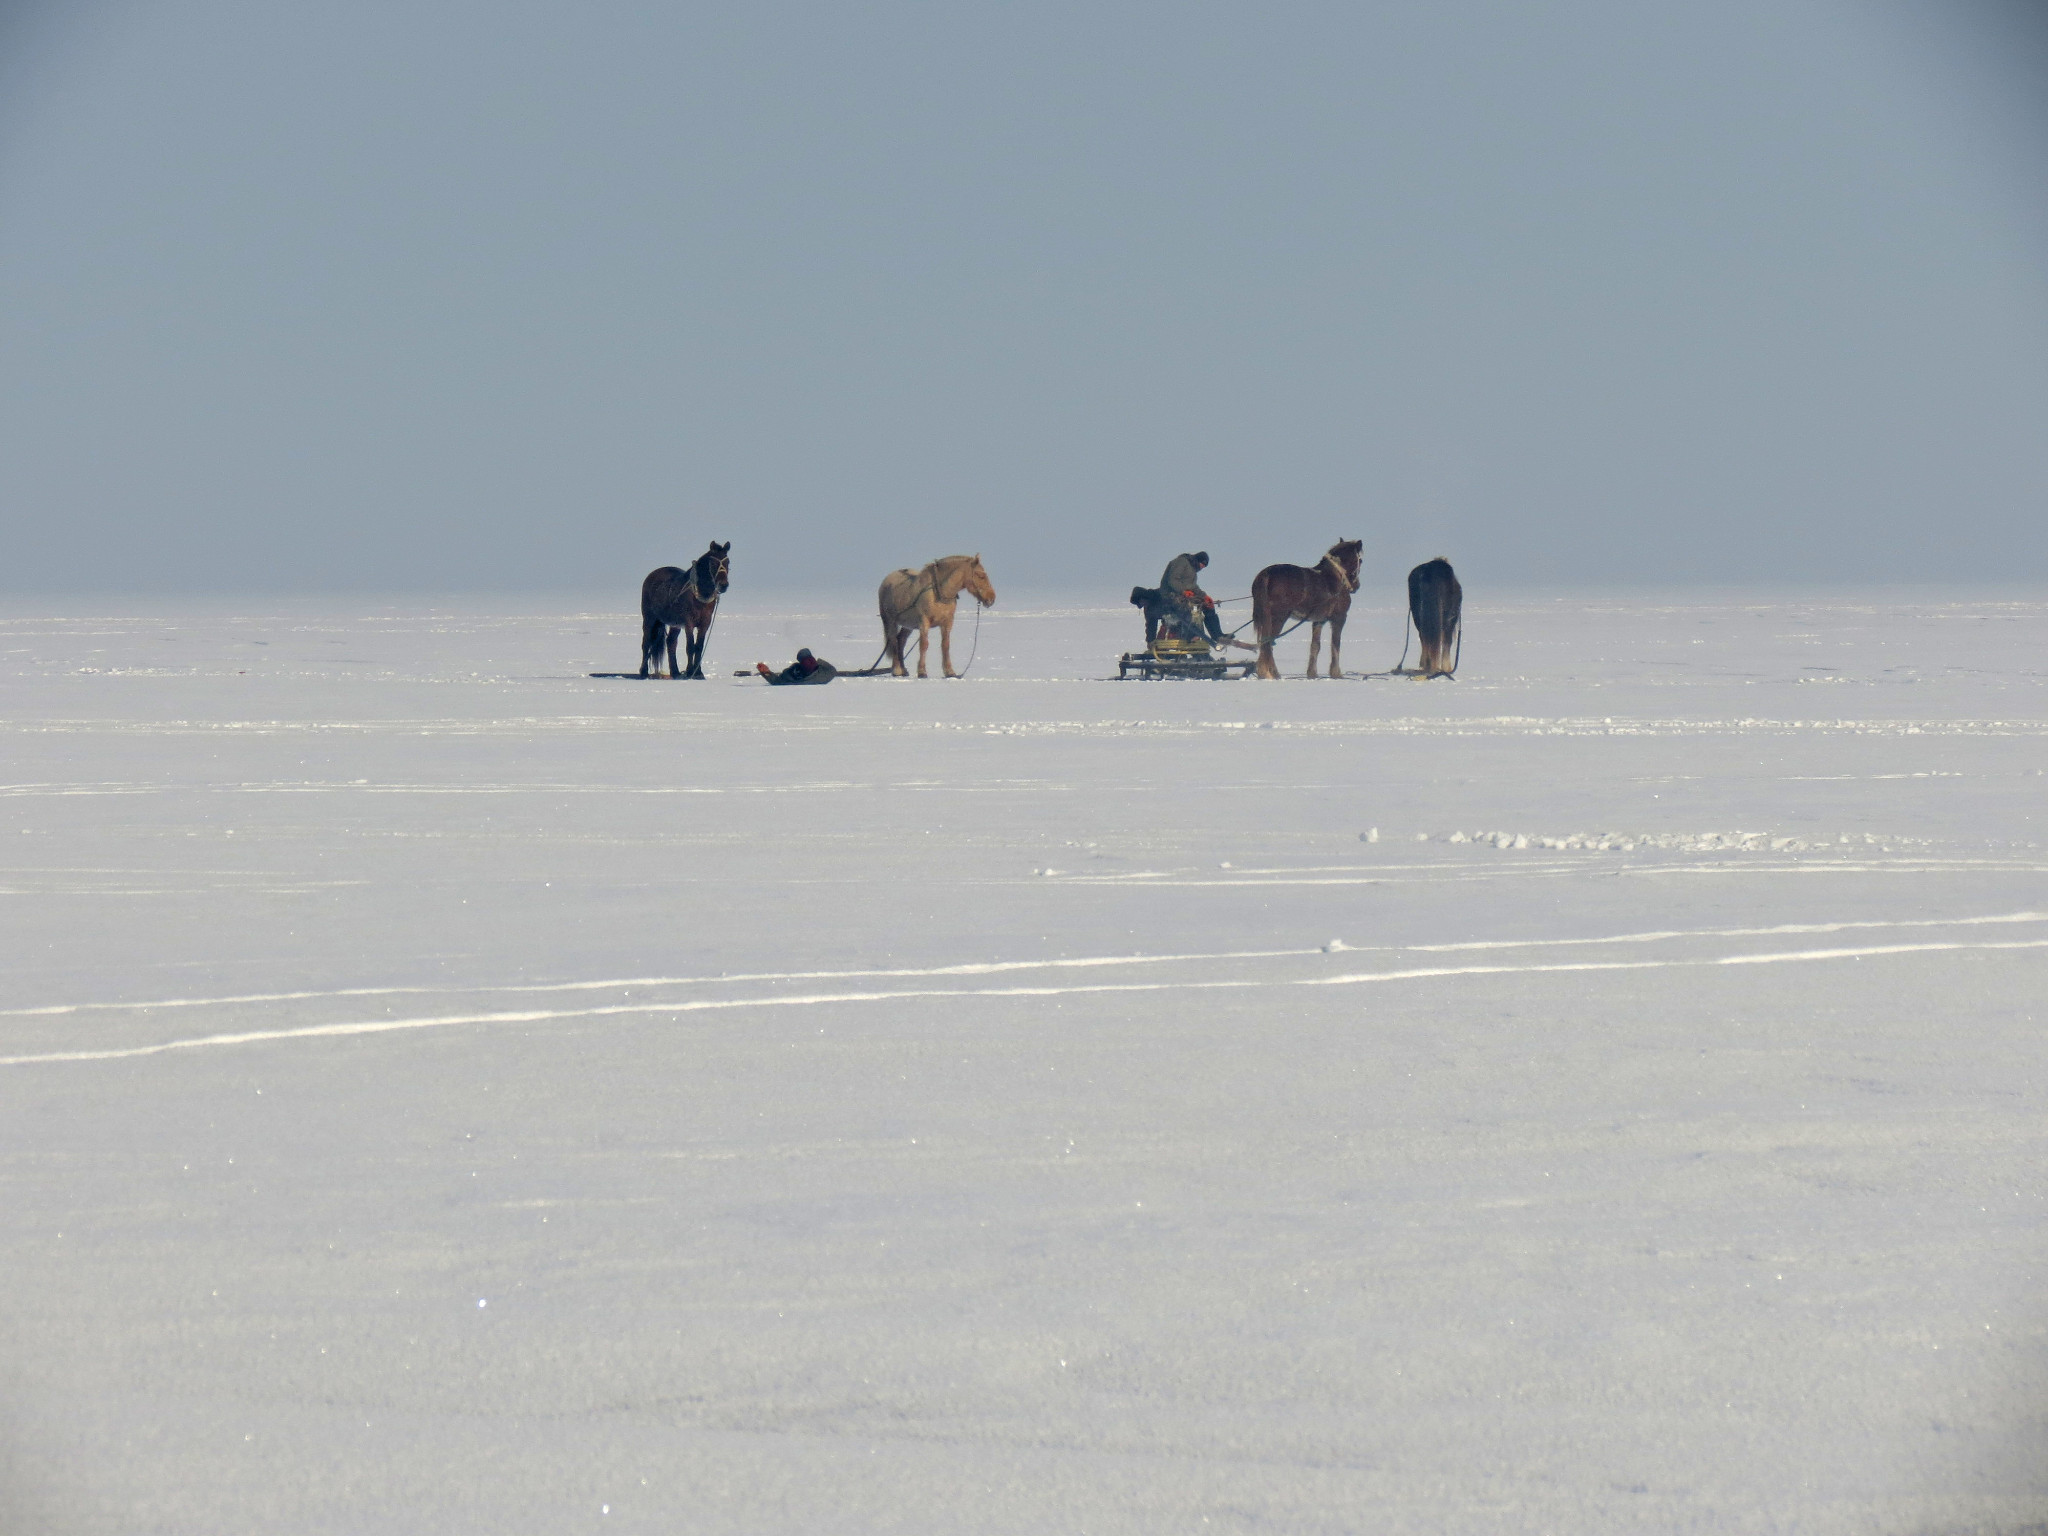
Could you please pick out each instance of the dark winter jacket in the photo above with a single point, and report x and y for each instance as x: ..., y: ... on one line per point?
x: 821, y: 671
x: 1182, y: 575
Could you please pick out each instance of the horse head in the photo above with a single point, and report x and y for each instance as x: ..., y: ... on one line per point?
x: 978, y: 583
x: 714, y: 567
x: 1344, y: 556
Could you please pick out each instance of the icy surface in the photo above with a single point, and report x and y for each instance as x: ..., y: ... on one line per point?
x: 444, y: 1091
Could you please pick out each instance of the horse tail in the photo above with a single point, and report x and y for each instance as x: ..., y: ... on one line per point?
x: 1264, y: 624
x: 1262, y: 606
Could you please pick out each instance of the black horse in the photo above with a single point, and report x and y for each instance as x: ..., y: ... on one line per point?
x: 1436, y: 602
x: 672, y: 600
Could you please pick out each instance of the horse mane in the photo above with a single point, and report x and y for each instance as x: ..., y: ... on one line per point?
x: 938, y: 572
x: 1348, y: 574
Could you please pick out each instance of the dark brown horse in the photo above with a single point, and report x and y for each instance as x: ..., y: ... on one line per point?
x: 672, y: 600
x: 1436, y: 603
x: 1319, y: 594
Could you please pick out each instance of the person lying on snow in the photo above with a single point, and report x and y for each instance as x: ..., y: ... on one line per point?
x: 805, y: 669
x: 1182, y: 585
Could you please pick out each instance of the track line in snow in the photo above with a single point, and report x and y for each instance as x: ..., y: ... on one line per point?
x: 1768, y: 957
x: 816, y: 999
x: 1001, y: 967
x: 1656, y: 936
x: 309, y: 787
x: 967, y: 968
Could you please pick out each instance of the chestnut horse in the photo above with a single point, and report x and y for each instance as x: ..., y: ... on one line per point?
x: 920, y: 599
x: 1319, y: 594
x: 1436, y: 603
x: 673, y: 599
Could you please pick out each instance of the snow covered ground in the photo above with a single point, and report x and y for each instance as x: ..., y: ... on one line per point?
x: 445, y: 1092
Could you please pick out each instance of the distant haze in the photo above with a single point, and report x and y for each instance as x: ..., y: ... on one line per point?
x: 521, y: 295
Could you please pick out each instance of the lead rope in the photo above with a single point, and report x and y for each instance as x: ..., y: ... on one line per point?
x: 697, y: 591
x: 931, y: 571
x: 977, y: 638
x: 704, y: 644
x: 1457, y: 654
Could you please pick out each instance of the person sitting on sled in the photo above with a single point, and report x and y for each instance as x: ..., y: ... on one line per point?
x: 805, y: 669
x: 1181, y: 587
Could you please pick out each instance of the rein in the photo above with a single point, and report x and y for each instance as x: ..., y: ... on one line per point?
x: 709, y: 603
x: 932, y: 571
x: 1336, y: 570
x: 978, y: 606
x: 1457, y: 654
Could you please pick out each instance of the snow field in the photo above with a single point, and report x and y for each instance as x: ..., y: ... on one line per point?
x: 442, y: 1091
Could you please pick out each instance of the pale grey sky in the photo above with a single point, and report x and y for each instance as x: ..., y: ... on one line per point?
x: 522, y: 295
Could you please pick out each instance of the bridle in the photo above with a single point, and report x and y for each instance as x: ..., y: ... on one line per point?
x: 931, y: 580
x: 699, y: 583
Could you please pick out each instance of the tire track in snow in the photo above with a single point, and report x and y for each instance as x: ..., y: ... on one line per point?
x: 818, y: 999
x: 967, y: 968
x: 999, y: 967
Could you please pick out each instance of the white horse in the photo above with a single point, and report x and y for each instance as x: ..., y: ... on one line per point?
x: 919, y: 599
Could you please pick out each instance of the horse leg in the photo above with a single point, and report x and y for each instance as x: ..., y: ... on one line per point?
x: 693, y: 651
x: 673, y: 631
x: 1315, y: 645
x: 1336, y: 642
x: 946, y: 645
x: 650, y: 646
x: 924, y: 645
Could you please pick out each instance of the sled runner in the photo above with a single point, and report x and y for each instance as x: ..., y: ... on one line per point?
x: 1179, y: 655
